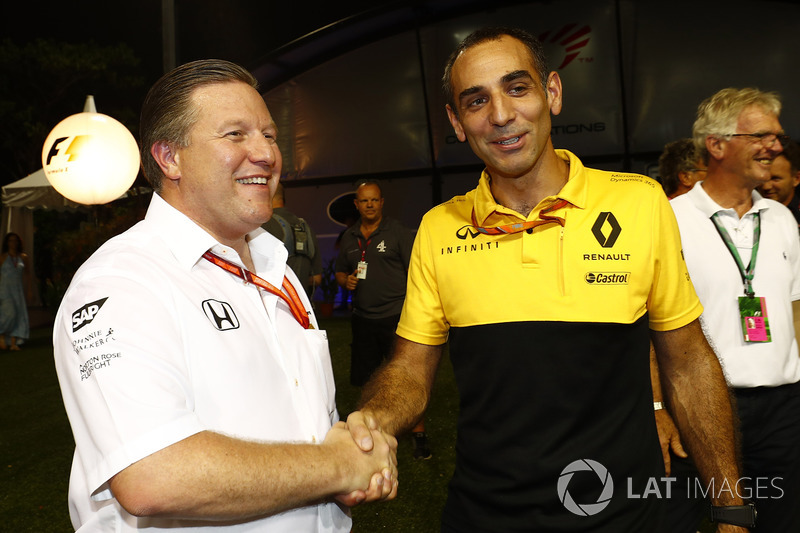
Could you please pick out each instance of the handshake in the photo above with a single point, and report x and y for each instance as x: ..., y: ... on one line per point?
x: 368, y: 456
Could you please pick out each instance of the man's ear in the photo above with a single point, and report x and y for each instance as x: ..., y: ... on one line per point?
x: 555, y: 93
x: 715, y: 147
x: 455, y: 123
x: 685, y: 178
x: 167, y: 158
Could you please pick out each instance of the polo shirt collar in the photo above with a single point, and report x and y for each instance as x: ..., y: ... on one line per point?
x: 355, y: 229
x: 708, y: 206
x: 574, y: 191
x: 188, y: 241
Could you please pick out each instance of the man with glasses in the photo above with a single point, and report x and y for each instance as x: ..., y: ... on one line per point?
x: 743, y: 255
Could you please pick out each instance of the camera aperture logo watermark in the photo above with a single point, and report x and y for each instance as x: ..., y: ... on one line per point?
x: 591, y: 508
x: 746, y: 488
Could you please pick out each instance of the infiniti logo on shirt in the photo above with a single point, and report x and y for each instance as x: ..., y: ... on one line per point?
x: 220, y: 314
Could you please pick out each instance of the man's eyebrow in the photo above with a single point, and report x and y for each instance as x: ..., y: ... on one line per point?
x: 511, y: 76
x: 470, y: 91
x: 515, y: 75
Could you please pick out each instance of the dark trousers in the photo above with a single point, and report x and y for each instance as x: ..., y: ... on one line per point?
x: 372, y: 344
x: 770, y: 441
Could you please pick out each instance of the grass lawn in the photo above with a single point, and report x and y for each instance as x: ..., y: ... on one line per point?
x: 36, y: 444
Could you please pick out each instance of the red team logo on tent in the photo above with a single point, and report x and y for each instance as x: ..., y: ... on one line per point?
x: 571, y: 37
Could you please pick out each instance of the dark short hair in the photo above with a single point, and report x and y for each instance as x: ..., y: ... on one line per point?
x: 494, y: 33
x: 791, y: 151
x: 168, y: 113
x: 678, y: 156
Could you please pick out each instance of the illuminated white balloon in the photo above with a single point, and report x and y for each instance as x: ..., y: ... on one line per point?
x: 90, y: 158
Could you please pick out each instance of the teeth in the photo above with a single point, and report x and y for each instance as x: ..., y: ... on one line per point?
x: 509, y: 141
x: 257, y: 181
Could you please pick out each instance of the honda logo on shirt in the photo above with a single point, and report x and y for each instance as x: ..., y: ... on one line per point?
x: 221, y: 315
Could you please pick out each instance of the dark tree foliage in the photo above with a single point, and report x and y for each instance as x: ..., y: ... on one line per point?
x: 45, y: 81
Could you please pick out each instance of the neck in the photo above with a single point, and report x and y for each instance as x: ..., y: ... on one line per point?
x: 368, y: 227
x: 523, y: 193
x: 244, y: 254
x: 728, y: 193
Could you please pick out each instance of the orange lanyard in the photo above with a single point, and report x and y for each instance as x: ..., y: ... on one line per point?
x: 292, y: 300
x: 522, y: 226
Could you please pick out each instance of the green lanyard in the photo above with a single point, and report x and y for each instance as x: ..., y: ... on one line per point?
x: 749, y: 273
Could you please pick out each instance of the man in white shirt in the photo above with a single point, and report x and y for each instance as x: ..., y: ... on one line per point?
x: 196, y: 380
x: 743, y: 255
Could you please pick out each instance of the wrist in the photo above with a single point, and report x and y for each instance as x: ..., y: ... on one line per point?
x: 743, y: 515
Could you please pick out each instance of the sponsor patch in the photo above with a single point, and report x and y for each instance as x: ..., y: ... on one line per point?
x: 221, y: 315
x: 86, y: 314
x: 607, y: 278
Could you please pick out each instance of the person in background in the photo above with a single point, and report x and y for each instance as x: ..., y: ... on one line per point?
x: 15, y: 288
x: 743, y: 255
x: 782, y: 186
x: 197, y: 383
x: 373, y: 264
x: 548, y: 281
x: 679, y: 167
x: 305, y: 257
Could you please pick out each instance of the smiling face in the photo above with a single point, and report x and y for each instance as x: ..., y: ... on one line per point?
x: 224, y: 179
x: 781, y: 185
x: 502, y: 109
x: 747, y: 157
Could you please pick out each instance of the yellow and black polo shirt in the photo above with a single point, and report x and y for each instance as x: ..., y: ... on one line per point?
x: 549, y: 340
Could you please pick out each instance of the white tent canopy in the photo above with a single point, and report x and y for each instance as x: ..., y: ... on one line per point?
x: 34, y: 191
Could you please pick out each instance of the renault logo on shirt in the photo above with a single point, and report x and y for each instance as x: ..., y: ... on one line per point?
x: 606, y: 229
x: 221, y: 315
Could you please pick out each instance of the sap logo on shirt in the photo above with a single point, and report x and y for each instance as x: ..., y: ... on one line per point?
x: 221, y: 315
x: 86, y: 314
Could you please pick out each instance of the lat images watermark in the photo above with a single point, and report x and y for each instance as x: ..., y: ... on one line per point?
x: 747, y: 488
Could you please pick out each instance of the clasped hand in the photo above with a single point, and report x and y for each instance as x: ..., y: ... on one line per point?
x: 372, y: 473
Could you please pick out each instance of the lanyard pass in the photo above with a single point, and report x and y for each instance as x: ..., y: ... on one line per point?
x: 290, y: 296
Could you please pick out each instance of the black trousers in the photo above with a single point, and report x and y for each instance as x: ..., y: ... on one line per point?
x: 770, y: 441
x: 372, y: 344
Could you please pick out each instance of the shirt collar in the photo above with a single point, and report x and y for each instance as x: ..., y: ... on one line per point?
x: 708, y: 206
x: 574, y: 191
x: 188, y: 241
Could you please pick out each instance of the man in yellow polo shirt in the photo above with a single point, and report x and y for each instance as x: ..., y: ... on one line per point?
x: 548, y: 281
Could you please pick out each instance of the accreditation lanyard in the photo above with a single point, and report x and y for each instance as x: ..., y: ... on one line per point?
x: 290, y: 296
x: 363, y: 248
x: 505, y: 229
x: 749, y: 272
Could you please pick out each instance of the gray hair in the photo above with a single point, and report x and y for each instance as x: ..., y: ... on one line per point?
x: 718, y: 114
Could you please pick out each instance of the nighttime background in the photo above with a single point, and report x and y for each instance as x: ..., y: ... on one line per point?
x: 53, y: 54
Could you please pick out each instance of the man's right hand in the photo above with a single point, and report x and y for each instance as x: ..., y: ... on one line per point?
x: 352, y: 282
x: 372, y: 474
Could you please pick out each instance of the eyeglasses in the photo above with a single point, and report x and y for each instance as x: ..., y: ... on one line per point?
x: 767, y: 139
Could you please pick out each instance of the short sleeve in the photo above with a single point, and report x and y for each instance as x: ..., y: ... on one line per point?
x: 673, y: 302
